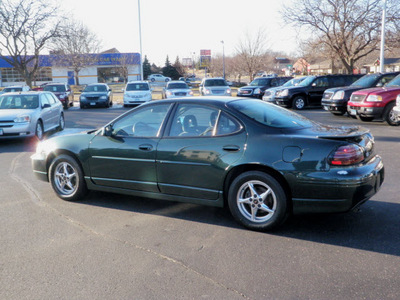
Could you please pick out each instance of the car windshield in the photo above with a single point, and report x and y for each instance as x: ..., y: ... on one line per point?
x: 307, y: 81
x: 366, y: 80
x: 19, y: 102
x: 55, y: 88
x: 12, y: 89
x: 270, y: 114
x: 177, y: 85
x: 294, y: 81
x: 95, y: 88
x: 395, y: 81
x: 137, y: 87
x: 259, y: 82
x: 215, y: 82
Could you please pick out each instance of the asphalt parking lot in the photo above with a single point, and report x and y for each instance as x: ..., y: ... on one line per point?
x: 118, y: 247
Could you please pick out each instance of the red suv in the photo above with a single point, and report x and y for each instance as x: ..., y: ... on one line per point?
x: 375, y: 103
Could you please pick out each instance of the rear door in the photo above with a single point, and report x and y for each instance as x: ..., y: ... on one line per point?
x: 200, y: 144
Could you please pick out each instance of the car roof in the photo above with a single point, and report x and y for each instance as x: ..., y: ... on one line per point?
x: 56, y: 83
x: 28, y: 93
x: 137, y: 81
x: 215, y: 100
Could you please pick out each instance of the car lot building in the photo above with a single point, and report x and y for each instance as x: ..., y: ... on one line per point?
x: 104, y: 67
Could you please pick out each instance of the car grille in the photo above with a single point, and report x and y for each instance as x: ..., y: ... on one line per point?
x: 357, y: 98
x: 218, y: 92
x: 180, y: 94
x: 6, y: 123
x: 93, y: 98
x: 246, y: 92
x: 327, y: 95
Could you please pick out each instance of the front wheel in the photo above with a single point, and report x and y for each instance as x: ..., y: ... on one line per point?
x: 67, y: 179
x: 61, y: 123
x: 299, y: 102
x: 39, y: 130
x: 389, y: 115
x: 257, y: 201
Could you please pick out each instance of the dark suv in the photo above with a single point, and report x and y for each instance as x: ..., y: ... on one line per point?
x: 310, y: 90
x: 335, y: 100
x: 258, y: 86
x: 63, y: 92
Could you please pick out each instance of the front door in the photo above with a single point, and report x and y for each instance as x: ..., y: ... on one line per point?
x: 193, y: 157
x: 126, y: 158
x: 317, y: 90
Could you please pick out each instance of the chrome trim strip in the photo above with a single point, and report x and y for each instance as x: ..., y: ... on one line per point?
x: 188, y: 187
x: 124, y: 158
x: 122, y: 180
x: 182, y: 163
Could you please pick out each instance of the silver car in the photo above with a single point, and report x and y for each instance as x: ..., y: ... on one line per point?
x: 215, y: 87
x: 30, y: 114
x: 175, y: 89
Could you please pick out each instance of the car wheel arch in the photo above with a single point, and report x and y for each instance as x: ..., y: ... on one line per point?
x: 240, y: 169
x: 59, y: 152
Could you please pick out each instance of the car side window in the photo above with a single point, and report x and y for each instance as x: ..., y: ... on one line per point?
x: 44, y: 100
x: 193, y: 120
x: 385, y: 79
x: 50, y: 99
x: 274, y: 82
x: 321, y: 82
x: 144, y: 122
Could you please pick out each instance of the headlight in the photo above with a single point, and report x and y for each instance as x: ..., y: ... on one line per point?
x: 103, y: 97
x: 338, y: 95
x: 374, y: 98
x: 228, y: 91
x: 83, y: 98
x: 22, y: 119
x: 207, y: 91
x: 398, y: 100
x: 62, y: 96
x: 257, y: 91
x: 283, y: 93
x: 191, y: 93
x: 168, y: 93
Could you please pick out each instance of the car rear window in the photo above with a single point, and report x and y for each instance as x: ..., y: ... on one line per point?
x: 270, y: 114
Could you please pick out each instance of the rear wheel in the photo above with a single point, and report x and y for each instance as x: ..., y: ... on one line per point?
x: 257, y: 201
x: 299, y: 102
x: 67, y: 179
x: 61, y: 123
x: 389, y: 116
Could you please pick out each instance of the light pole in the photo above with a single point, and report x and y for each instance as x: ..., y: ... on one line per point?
x: 382, y: 56
x: 223, y: 57
x: 140, y: 43
x: 194, y: 53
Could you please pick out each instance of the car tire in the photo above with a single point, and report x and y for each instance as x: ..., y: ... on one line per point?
x: 61, y: 123
x: 257, y: 201
x: 66, y: 106
x: 388, y: 115
x: 39, y: 133
x: 66, y: 178
x: 82, y: 106
x: 299, y: 102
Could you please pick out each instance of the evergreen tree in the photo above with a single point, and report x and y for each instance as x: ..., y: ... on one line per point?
x: 179, y: 67
x: 169, y: 70
x: 146, y: 67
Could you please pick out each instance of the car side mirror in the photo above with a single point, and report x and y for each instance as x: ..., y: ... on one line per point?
x: 107, y: 131
x: 46, y: 105
x: 314, y: 84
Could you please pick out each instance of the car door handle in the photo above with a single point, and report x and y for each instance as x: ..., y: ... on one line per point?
x: 146, y: 147
x: 231, y: 148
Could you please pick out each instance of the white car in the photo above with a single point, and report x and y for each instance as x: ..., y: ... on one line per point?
x: 215, y: 87
x: 17, y: 88
x: 176, y: 89
x: 137, y: 92
x: 27, y: 114
x: 158, y: 78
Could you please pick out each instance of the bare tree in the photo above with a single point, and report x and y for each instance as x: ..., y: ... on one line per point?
x: 251, y: 52
x: 350, y: 28
x: 26, y: 26
x: 76, y: 47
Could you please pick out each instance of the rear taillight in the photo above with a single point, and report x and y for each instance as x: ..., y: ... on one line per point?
x: 346, y: 155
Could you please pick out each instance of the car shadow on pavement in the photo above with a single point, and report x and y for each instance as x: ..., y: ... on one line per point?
x: 376, y: 227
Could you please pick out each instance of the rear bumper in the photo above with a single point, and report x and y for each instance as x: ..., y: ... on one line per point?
x: 344, y: 190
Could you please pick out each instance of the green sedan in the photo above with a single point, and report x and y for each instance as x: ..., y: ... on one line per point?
x: 264, y: 162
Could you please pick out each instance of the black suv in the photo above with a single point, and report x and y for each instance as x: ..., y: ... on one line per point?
x: 63, y: 92
x: 258, y: 86
x: 335, y: 100
x: 310, y: 90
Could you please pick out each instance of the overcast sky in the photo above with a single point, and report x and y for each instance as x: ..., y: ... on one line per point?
x: 183, y: 27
